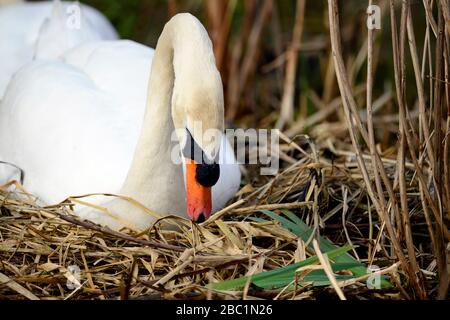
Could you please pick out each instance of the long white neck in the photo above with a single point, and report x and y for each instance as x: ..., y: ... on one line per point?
x: 182, y: 48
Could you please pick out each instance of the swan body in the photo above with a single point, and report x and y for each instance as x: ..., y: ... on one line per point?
x: 41, y: 29
x: 92, y: 122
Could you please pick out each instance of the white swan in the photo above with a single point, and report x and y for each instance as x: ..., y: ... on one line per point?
x: 84, y: 124
x: 48, y: 27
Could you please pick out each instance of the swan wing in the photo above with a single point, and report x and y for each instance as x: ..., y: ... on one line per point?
x: 21, y: 25
x: 69, y: 131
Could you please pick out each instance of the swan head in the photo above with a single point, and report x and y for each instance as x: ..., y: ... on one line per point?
x: 198, y: 116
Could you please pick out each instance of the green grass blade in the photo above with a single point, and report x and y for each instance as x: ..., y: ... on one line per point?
x: 275, y: 278
x: 302, y: 230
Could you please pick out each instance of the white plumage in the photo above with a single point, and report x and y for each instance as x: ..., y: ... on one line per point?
x: 46, y: 29
x: 72, y: 124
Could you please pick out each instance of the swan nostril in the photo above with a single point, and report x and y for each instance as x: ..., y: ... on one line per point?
x: 201, y: 218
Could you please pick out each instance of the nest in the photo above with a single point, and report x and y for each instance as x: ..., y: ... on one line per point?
x: 47, y: 253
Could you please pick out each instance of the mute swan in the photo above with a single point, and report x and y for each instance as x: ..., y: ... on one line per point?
x: 84, y: 124
x: 48, y: 27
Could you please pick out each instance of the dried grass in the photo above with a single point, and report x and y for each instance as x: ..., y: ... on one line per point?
x: 40, y: 245
x: 389, y: 199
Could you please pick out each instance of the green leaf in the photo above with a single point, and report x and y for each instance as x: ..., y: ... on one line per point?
x: 303, y: 231
x: 279, y: 278
x: 276, y: 278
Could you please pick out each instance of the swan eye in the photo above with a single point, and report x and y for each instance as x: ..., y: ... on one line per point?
x: 207, y: 174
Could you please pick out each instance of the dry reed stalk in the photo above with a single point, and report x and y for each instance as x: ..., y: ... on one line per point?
x: 248, y: 66
x: 234, y: 90
x: 220, y: 13
x: 278, y: 46
x: 420, y: 174
x: 370, y: 128
x: 287, y: 102
x: 353, y: 119
x: 399, y: 71
x: 446, y: 12
x: 172, y: 8
x: 327, y: 268
x: 438, y: 165
x: 351, y: 110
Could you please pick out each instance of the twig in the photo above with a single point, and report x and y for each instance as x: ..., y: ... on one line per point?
x: 106, y: 230
x: 328, y: 271
x: 17, y: 287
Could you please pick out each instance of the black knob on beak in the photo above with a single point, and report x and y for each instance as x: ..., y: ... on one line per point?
x: 207, y: 174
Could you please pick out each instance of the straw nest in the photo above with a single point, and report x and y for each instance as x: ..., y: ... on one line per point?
x: 44, y: 251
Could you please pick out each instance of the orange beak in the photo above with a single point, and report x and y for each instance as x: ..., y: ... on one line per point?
x: 198, y: 197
